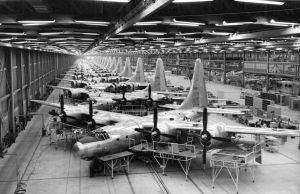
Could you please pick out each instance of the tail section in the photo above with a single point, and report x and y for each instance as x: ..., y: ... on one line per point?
x: 159, y: 82
x: 119, y: 67
x: 197, y: 96
x: 127, y: 72
x: 139, y: 72
x: 113, y: 64
x: 108, y: 63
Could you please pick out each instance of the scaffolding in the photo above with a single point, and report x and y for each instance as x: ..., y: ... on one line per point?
x: 233, y: 160
x: 165, y: 151
x: 114, y: 161
x: 62, y: 129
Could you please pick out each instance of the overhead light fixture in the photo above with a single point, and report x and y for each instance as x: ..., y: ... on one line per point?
x: 5, y: 39
x: 186, y: 23
x: 190, y: 1
x: 13, y: 33
x: 35, y: 24
x: 262, y: 2
x: 147, y: 23
x: 185, y: 34
x: 184, y: 38
x: 137, y: 38
x: 86, y: 39
x: 86, y: 33
x: 117, y: 1
x: 89, y: 22
x: 272, y: 21
x: 58, y: 39
x: 51, y: 33
x: 155, y: 33
x: 220, y: 33
x: 35, y: 21
x: 90, y: 34
x: 224, y: 23
x: 283, y: 25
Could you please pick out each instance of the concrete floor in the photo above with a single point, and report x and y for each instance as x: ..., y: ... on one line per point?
x: 45, y: 169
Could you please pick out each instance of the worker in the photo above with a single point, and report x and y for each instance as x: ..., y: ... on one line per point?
x: 54, y: 126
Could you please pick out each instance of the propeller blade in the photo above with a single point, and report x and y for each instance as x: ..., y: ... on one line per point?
x: 123, y: 91
x: 149, y: 91
x: 142, y: 130
x: 61, y: 103
x: 204, y: 120
x: 91, y: 109
x: 155, y: 118
x: 204, y: 155
x: 222, y: 139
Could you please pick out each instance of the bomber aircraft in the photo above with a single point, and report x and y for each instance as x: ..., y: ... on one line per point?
x: 166, y: 125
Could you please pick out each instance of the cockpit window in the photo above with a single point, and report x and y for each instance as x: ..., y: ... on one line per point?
x: 101, y: 135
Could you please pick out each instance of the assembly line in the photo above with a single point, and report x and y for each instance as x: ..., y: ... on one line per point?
x: 187, y: 127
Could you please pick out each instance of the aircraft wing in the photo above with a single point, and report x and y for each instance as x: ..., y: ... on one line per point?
x: 69, y: 80
x: 108, y: 118
x: 209, y: 110
x: 222, y: 111
x: 55, y: 105
x: 217, y: 99
x: 172, y: 93
x: 59, y: 87
x: 186, y: 126
x: 98, y: 87
x: 262, y: 131
x: 170, y: 106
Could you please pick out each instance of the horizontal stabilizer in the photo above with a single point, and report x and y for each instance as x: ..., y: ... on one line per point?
x: 58, y: 87
x: 55, y: 105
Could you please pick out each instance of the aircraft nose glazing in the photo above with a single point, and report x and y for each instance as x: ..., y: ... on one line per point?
x: 78, y: 149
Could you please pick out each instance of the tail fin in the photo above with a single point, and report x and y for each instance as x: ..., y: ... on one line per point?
x: 108, y: 63
x: 197, y: 96
x: 139, y: 72
x: 113, y: 64
x: 127, y: 72
x: 159, y: 82
x: 119, y: 67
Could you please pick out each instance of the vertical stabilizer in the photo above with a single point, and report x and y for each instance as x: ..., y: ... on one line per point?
x: 108, y: 62
x: 139, y: 72
x: 197, y: 96
x: 113, y: 64
x: 127, y: 72
x: 119, y: 67
x: 159, y: 82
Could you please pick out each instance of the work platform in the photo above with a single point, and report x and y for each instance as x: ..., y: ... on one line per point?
x: 233, y: 159
x: 183, y: 153
x: 112, y: 162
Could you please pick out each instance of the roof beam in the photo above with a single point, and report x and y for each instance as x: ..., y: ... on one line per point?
x: 261, y: 35
x: 39, y: 6
x: 147, y: 8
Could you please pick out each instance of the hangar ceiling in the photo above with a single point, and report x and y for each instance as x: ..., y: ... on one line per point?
x: 101, y: 26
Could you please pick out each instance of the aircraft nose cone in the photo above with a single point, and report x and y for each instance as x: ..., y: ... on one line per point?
x: 78, y: 149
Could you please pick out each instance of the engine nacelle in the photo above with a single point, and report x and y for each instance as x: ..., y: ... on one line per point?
x: 216, y: 130
x: 76, y: 94
x: 73, y: 84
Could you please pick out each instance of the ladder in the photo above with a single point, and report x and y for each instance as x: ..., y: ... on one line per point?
x: 190, y: 138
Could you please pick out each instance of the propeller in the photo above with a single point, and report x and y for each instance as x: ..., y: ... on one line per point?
x: 62, y: 112
x: 92, y: 127
x: 205, y: 137
x: 155, y: 132
x: 149, y: 100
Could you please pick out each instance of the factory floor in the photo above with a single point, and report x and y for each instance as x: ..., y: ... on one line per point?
x: 46, y: 170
